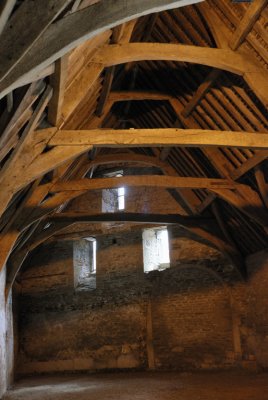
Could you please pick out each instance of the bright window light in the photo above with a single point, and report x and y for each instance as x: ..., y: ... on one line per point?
x: 84, y: 258
x: 121, y: 198
x: 113, y: 199
x: 155, y: 249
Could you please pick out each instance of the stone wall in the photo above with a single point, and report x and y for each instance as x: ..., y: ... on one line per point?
x: 194, y: 315
x: 192, y: 327
x: 173, y: 319
x: 256, y: 329
x: 6, y: 337
x: 3, y: 379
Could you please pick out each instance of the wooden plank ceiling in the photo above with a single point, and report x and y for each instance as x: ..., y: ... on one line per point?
x: 198, y: 69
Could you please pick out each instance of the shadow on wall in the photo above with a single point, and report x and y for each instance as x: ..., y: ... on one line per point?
x: 107, y: 327
x: 191, y: 330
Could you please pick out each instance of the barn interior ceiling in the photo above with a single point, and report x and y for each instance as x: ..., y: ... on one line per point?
x: 89, y: 86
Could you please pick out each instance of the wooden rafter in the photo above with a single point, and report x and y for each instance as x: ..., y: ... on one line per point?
x: 68, y: 144
x: 223, y: 38
x: 12, y: 230
x: 234, y: 173
x: 11, y: 129
x: 26, y: 151
x: 28, y: 23
x: 52, y: 150
x: 201, y: 92
x: 242, y: 30
x: 249, y: 164
x: 107, y: 84
x: 131, y: 95
x: 6, y: 8
x: 58, y: 199
x: 121, y: 35
x: 248, y: 202
x: 31, y: 211
x: 262, y: 184
x: 85, y: 80
x: 58, y: 83
x: 222, y: 224
x: 224, y: 59
x: 212, y: 153
x: 251, y: 16
x: 74, y: 30
x: 127, y: 158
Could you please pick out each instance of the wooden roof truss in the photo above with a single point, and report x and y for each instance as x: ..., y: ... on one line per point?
x: 71, y: 90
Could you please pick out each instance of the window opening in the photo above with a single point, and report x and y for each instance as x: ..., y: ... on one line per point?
x: 113, y: 199
x: 155, y: 249
x: 84, y: 260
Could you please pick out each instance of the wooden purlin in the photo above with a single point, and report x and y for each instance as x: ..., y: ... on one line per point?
x: 120, y: 35
x: 213, y: 154
x: 223, y: 37
x: 12, y: 127
x: 31, y: 211
x: 229, y: 18
x: 178, y: 107
x: 40, y: 166
x: 14, y: 232
x: 262, y: 184
x: 191, y: 123
x: 201, y: 92
x: 213, y: 157
x: 237, y: 38
x: 58, y: 83
x: 57, y: 151
x: 25, y: 152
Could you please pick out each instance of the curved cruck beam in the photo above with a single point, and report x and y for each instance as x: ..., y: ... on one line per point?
x: 202, y: 228
x: 9, y: 238
x: 127, y: 158
x: 232, y: 192
x: 76, y: 28
x: 227, y: 60
x: 229, y: 190
x: 66, y: 145
x: 225, y: 188
x: 60, y: 198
